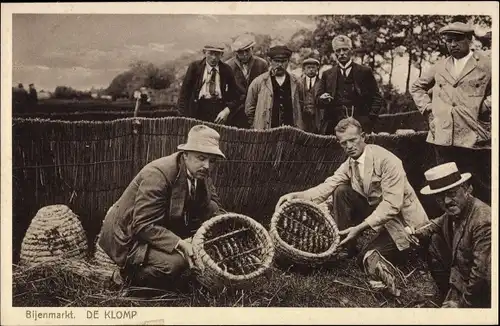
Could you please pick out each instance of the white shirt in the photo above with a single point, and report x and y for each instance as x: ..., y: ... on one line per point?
x: 280, y: 79
x: 189, y: 181
x: 310, y: 81
x: 459, y: 64
x: 348, y: 71
x: 205, y: 90
x: 361, y: 165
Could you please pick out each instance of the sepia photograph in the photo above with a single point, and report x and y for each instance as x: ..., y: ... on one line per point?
x: 238, y: 159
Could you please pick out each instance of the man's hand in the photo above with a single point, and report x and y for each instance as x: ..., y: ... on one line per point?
x: 411, y: 236
x: 287, y: 197
x: 325, y: 96
x: 187, y: 250
x: 450, y: 304
x: 222, y: 116
x: 352, y: 232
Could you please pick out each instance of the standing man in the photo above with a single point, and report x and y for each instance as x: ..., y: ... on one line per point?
x: 209, y: 91
x: 144, y: 232
x: 459, y: 112
x: 311, y: 81
x: 275, y: 98
x: 348, y: 90
x: 246, y: 67
x: 460, y: 240
x: 32, y: 95
x: 370, y: 191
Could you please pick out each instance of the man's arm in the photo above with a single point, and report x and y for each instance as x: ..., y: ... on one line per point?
x: 419, y: 91
x: 150, y: 207
x: 377, y: 102
x: 235, y: 92
x: 186, y: 89
x: 321, y: 192
x: 251, y: 101
x: 393, y: 186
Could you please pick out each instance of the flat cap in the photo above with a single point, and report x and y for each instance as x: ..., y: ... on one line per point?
x: 341, y: 41
x: 279, y: 51
x: 310, y: 61
x: 457, y: 28
x: 214, y: 47
x: 243, y: 42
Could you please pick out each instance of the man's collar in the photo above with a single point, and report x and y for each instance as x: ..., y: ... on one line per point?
x: 361, y: 158
x: 189, y: 175
x: 209, y: 67
x: 467, y: 57
x: 347, y: 65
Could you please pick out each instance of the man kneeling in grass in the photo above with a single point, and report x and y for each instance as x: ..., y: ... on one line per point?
x: 144, y: 232
x: 369, y: 190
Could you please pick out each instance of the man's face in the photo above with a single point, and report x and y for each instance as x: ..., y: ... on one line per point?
x: 311, y: 70
x: 352, y: 141
x: 244, y: 55
x: 453, y: 200
x: 343, y: 54
x: 213, y: 57
x: 279, y: 65
x: 199, y: 164
x: 458, y: 45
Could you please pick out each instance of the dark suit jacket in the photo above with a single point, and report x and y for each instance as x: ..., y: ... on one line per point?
x: 193, y: 81
x: 312, y: 115
x: 151, y: 207
x: 256, y: 67
x: 369, y: 100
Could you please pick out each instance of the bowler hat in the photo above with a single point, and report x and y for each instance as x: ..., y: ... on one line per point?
x: 202, y: 139
x: 243, y: 42
x: 279, y: 52
x: 443, y: 177
x: 457, y: 28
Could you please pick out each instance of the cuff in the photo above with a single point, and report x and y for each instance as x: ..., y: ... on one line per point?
x: 464, y: 302
x: 372, y: 221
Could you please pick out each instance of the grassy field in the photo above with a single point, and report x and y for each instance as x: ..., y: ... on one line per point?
x: 335, y: 284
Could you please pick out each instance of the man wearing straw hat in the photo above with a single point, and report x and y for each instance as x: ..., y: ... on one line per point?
x: 459, y: 241
x: 311, y: 81
x: 275, y: 98
x: 348, y: 90
x: 369, y: 191
x: 459, y: 112
x: 166, y: 202
x: 246, y: 67
x: 209, y: 91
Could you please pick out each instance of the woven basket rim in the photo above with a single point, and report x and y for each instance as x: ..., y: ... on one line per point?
x: 198, y: 240
x: 274, y: 231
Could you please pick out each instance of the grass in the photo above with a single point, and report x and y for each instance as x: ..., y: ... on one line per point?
x: 337, y: 284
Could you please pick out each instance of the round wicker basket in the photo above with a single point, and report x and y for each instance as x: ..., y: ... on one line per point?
x: 54, y: 233
x: 232, y: 250
x: 304, y: 232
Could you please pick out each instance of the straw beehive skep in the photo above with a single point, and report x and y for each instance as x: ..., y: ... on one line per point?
x: 54, y: 233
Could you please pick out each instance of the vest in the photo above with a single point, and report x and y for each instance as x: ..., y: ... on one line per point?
x: 345, y: 94
x: 282, y: 111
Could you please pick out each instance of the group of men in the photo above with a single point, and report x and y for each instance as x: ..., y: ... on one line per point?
x: 21, y: 98
x: 146, y: 232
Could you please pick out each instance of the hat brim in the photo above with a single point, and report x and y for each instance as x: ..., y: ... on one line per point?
x: 428, y: 191
x: 213, y: 49
x: 243, y: 48
x: 214, y: 151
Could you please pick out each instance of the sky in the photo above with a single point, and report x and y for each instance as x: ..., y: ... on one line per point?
x: 82, y: 51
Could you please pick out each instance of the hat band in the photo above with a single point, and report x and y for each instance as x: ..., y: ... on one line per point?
x: 445, y: 181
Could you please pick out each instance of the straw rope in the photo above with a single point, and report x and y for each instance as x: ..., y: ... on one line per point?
x: 232, y: 250
x: 55, y: 233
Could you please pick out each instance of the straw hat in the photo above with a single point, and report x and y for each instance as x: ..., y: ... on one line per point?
x: 202, y: 139
x: 443, y: 177
x: 243, y: 42
x: 55, y: 233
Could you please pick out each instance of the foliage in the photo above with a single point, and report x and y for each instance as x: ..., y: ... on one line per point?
x: 65, y: 92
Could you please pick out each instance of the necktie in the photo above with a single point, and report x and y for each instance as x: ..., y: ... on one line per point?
x: 357, y: 175
x: 192, y: 188
x: 211, y: 83
x: 344, y: 70
x: 310, y: 83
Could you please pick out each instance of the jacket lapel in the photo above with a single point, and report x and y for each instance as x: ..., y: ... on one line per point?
x: 368, y: 170
x: 469, y: 67
x: 199, y: 73
x: 335, y: 71
x: 448, y: 67
x: 179, y: 190
x: 459, y: 232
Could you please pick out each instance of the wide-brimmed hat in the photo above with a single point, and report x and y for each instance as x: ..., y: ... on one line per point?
x: 457, y: 28
x: 243, y: 42
x: 202, y: 139
x: 279, y: 52
x: 214, y: 47
x: 443, y: 177
x: 341, y: 41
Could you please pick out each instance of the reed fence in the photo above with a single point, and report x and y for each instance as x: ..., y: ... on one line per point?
x: 87, y: 164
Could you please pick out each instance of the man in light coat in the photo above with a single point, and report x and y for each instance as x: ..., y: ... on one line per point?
x: 246, y: 67
x: 459, y: 241
x: 145, y: 231
x: 275, y: 98
x: 369, y: 190
x: 459, y: 112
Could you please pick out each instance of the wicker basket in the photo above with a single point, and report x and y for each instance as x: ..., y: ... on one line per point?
x: 304, y: 232
x: 231, y: 250
x: 54, y: 233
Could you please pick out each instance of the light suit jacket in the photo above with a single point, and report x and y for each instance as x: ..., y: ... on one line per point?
x: 460, y: 106
x: 384, y: 185
x: 259, y: 102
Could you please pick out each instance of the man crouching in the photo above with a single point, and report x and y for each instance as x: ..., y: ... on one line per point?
x: 369, y: 190
x: 144, y: 232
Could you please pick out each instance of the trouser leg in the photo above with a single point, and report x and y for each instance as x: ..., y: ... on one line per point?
x: 383, y: 243
x: 439, y: 262
x: 208, y: 109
